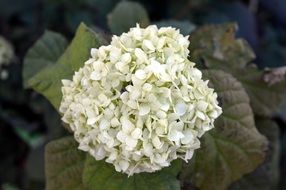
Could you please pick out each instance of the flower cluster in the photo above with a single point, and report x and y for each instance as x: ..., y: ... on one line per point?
x: 139, y: 103
x: 6, y: 55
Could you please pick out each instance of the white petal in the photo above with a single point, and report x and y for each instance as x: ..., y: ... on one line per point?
x: 124, y: 97
x: 137, y: 34
x: 114, y: 55
x: 181, y: 108
x: 161, y: 43
x: 103, y: 99
x: 132, y: 104
x: 188, y: 138
x: 136, y: 133
x: 148, y: 148
x: 114, y: 122
x: 161, y: 114
x: 130, y: 142
x: 126, y: 58
x: 175, y: 135
x: 112, y: 157
x: 147, y: 87
x: 189, y: 154
x: 207, y: 127
x: 140, y: 54
x: 95, y: 75
x: 135, y: 94
x: 214, y: 114
x: 101, y: 53
x: 197, y: 73
x: 147, y: 45
x: 90, y: 61
x: 156, y: 67
x: 200, y: 115
x: 140, y: 74
x: 123, y: 164
x: 165, y: 106
x: 127, y: 125
x: 104, y: 124
x: 202, y: 105
x: 160, y: 130
x: 156, y: 142
x: 94, y: 52
x: 84, y: 146
x: 121, y: 136
x: 99, y: 153
x: 91, y: 121
x: 144, y: 109
x: 66, y: 82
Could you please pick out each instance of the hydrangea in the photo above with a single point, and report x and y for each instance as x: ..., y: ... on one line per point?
x: 139, y: 103
x: 6, y: 55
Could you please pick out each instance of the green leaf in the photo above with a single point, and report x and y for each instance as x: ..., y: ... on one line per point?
x: 64, y: 165
x: 79, y: 50
x: 44, y: 53
x: 266, y: 176
x: 101, y: 175
x: 47, y: 81
x: 125, y: 15
x: 234, y: 147
x: 215, y: 47
x: 69, y: 168
x: 266, y: 98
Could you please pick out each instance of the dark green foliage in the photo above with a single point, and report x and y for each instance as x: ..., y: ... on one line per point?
x: 216, y: 47
x: 266, y: 176
x: 234, y: 147
x: 46, y: 79
x: 125, y: 15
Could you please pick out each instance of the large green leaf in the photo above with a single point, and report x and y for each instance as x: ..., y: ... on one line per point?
x: 125, y: 15
x: 64, y: 165
x: 215, y: 47
x: 79, y: 49
x: 44, y: 53
x: 266, y: 98
x: 234, y: 147
x: 69, y: 168
x: 266, y: 176
x: 47, y: 78
x: 99, y: 175
x: 48, y: 82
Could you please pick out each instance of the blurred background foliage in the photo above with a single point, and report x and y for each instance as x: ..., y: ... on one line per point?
x: 28, y: 121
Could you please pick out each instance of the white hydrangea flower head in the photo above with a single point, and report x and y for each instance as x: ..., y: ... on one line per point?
x: 6, y: 55
x: 139, y: 103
